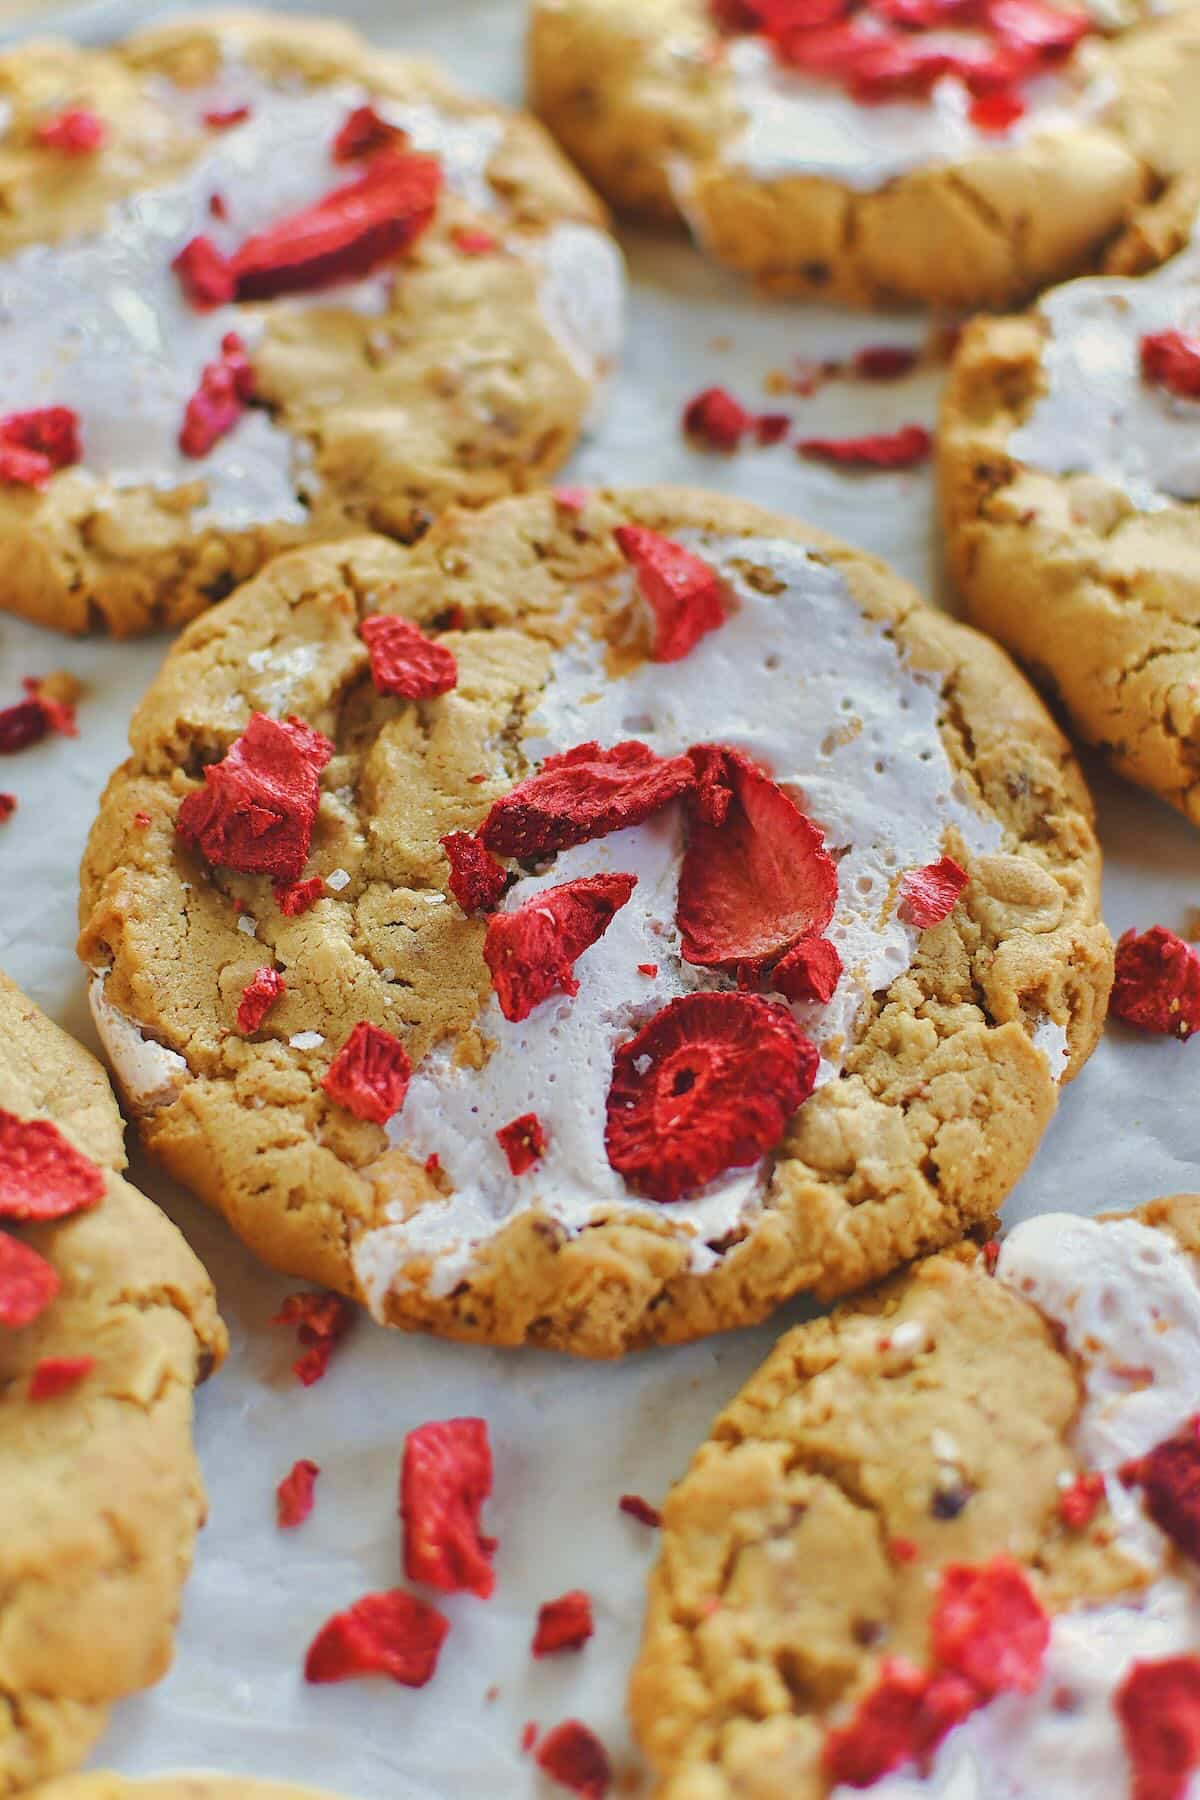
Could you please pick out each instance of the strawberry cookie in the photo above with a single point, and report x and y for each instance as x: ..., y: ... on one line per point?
x: 957, y: 153
x: 594, y: 924
x: 107, y: 1322
x: 944, y: 1545
x: 1070, y: 480
x: 174, y: 1787
x: 260, y: 282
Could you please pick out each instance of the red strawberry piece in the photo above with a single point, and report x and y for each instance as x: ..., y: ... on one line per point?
x: 345, y: 236
x: 445, y: 1479
x: 533, y: 950
x: 1170, y: 359
x: 529, y: 1736
x: 1157, y: 986
x: 28, y: 1283
x: 930, y: 894
x: 76, y: 132
x: 585, y: 793
x: 570, y: 499
x: 256, y: 810
x: 205, y: 274
x: 22, y: 468
x: 8, y: 806
x: 294, y: 1497
x: 295, y: 897
x: 476, y: 879
x: 640, y: 1509
x: 991, y: 1255
x: 811, y: 970
x: 708, y: 1085
x: 37, y: 443
x: 1158, y: 1704
x: 56, y: 1375
x: 575, y: 1758
x: 42, y: 1176
x: 563, y: 1624
x: 1049, y: 32
x: 996, y: 112
x: 682, y: 591
x: 473, y: 242
x: 226, y: 386
x: 404, y: 661
x: 902, y: 449
x: 901, y: 1719
x: 321, y: 1321
x: 756, y: 876
x: 523, y: 1142
x: 21, y: 725
x: 259, y: 995
x: 364, y: 133
x: 224, y: 118
x: 884, y: 362
x: 392, y: 1634
x: 989, y: 1626
x: 1077, y: 1504
x: 717, y: 419
x: 1169, y: 1478
x: 370, y: 1074
x: 772, y: 428
x: 903, y: 1550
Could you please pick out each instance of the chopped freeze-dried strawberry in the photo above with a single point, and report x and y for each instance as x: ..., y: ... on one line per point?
x: 989, y: 1626
x: 640, y: 1509
x: 717, y: 419
x: 224, y: 118
x: 532, y: 951
x: 995, y: 112
x: 59, y: 714
x: 294, y: 1497
x: 295, y: 897
x: 708, y: 1085
x: 755, y: 876
x: 205, y: 274
x: 930, y: 894
x: 811, y: 970
x: 649, y: 970
x: 404, y: 661
x: 476, y: 878
x: 991, y: 1255
x: 1170, y: 359
x: 445, y: 1479
x: 473, y: 242
x: 22, y: 468
x: 902, y: 449
x: 523, y: 1142
x: 345, y: 236
x: 393, y: 1634
x: 529, y: 1736
x: 364, y: 132
x: 28, y: 1283
x: 21, y: 725
x: 1157, y: 985
x: 226, y: 388
x: 682, y: 591
x: 256, y: 810
x: 218, y: 206
x: 1046, y: 29
x: 321, y: 1321
x: 37, y: 443
x: 901, y: 1719
x: 903, y: 1550
x: 56, y: 1375
x: 1169, y: 1477
x: 1078, y: 1503
x: 772, y: 428
x: 563, y: 1624
x: 76, y: 132
x: 42, y: 1176
x: 575, y: 1758
x: 259, y: 995
x: 570, y: 499
x: 1158, y: 1704
x: 582, y: 794
x: 370, y: 1074
x: 8, y: 806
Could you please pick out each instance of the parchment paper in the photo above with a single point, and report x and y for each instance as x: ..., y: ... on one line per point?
x: 569, y: 1437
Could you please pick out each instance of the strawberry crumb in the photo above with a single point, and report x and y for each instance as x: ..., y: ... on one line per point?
x: 650, y: 970
x: 991, y: 1255
x: 473, y: 242
x: 223, y: 118
x: 8, y: 806
x: 1077, y: 1504
x: 321, y: 1321
x: 433, y: 1164
x: 640, y: 1509
x: 575, y: 1758
x: 903, y: 1550
x: 142, y: 819
x: 902, y: 449
x: 56, y: 1375
x: 294, y: 1495
x: 529, y: 1736
x: 563, y: 1624
x: 76, y: 132
x: 523, y: 1142
x: 570, y: 499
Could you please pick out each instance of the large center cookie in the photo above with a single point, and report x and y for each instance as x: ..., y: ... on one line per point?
x: 760, y: 975
x: 261, y: 282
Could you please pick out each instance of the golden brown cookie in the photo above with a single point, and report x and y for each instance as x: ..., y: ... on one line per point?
x: 101, y: 1497
x: 173, y: 1787
x: 1069, y: 483
x: 909, y: 1536
x: 898, y: 737
x: 437, y: 334
x: 788, y: 178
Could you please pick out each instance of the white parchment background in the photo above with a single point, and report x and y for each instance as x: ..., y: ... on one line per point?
x: 569, y: 1437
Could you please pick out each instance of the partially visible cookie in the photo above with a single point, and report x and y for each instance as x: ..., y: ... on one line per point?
x: 862, y: 153
x: 944, y: 1543
x: 1069, y: 472
x: 788, y: 829
x: 437, y: 330
x: 100, y: 1498
x: 174, y: 1787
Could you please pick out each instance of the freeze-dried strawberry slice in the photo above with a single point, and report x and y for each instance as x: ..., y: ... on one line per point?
x: 1157, y: 985
x: 370, y: 1074
x: 585, y: 793
x: 391, y: 1634
x: 56, y: 1375
x: 902, y: 1719
x: 321, y: 1321
x: 294, y: 1497
x: 259, y: 995
x: 256, y: 810
x: 28, y: 1283
x: 445, y: 1479
x: 682, y: 591
x: 563, y: 1624
x: 708, y: 1085
x: 296, y: 897
x: 523, y: 1142
x: 404, y: 661
x: 35, y: 444
x: 930, y: 894
x: 575, y: 1758
x: 533, y: 950
x: 205, y: 274
x: 352, y: 231
x: 811, y: 970
x: 1169, y: 1477
x: 1158, y: 1704
x: 76, y: 132
x: 1170, y: 359
x: 1078, y: 1504
x: 902, y: 449
x: 476, y: 879
x: 364, y: 133
x: 42, y: 1176
x: 989, y: 1626
x: 225, y: 390
x: 756, y: 876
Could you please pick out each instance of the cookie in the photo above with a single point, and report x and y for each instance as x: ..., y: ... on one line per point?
x: 435, y: 1110
x: 925, y: 1547
x: 173, y: 1787
x: 422, y: 301
x: 1069, y: 484
x: 101, y: 1496
x: 856, y: 164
